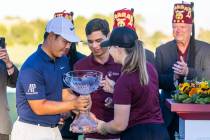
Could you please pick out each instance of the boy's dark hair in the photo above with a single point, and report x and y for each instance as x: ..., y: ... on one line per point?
x: 97, y: 24
x: 72, y: 54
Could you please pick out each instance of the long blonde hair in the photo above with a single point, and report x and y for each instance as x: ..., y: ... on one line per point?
x: 136, y: 61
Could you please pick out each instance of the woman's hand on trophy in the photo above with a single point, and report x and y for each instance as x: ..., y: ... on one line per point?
x: 100, y: 127
x: 107, y: 85
x: 100, y: 124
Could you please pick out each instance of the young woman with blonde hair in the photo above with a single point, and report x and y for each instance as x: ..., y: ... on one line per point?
x: 137, y: 114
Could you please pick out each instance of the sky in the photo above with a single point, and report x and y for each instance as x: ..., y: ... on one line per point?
x: 157, y: 14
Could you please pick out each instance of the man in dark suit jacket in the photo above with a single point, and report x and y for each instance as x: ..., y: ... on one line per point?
x: 183, y: 58
x: 8, y: 77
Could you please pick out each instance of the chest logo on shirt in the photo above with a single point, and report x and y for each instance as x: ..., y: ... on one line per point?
x: 31, y: 89
x: 111, y: 73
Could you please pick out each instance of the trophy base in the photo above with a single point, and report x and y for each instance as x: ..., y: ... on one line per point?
x: 83, y: 124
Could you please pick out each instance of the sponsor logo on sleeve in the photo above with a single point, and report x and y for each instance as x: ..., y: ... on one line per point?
x: 31, y: 89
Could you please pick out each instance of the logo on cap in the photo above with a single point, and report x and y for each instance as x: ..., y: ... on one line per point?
x: 72, y: 29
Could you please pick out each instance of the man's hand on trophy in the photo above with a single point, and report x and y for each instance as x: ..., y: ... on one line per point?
x: 90, y: 102
x: 107, y: 85
x: 82, y: 103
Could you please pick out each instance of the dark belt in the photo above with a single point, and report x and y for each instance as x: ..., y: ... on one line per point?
x: 38, y: 124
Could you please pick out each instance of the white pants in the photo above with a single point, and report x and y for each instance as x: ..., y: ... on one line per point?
x: 25, y: 131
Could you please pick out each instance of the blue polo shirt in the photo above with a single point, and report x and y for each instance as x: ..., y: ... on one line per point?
x: 40, y: 78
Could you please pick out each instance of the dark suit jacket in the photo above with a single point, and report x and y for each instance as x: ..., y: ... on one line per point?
x: 5, y: 80
x: 166, y: 56
x: 150, y: 56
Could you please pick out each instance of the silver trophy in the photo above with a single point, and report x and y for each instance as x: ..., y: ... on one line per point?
x: 83, y: 82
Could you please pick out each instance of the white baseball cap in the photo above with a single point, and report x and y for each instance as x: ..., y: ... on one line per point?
x: 63, y: 27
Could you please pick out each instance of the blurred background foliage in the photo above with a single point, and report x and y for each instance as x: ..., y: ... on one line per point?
x: 22, y: 36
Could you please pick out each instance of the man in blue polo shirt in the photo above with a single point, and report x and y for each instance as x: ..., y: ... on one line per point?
x: 41, y: 96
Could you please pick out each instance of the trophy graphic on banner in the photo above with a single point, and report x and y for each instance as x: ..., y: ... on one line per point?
x: 83, y: 82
